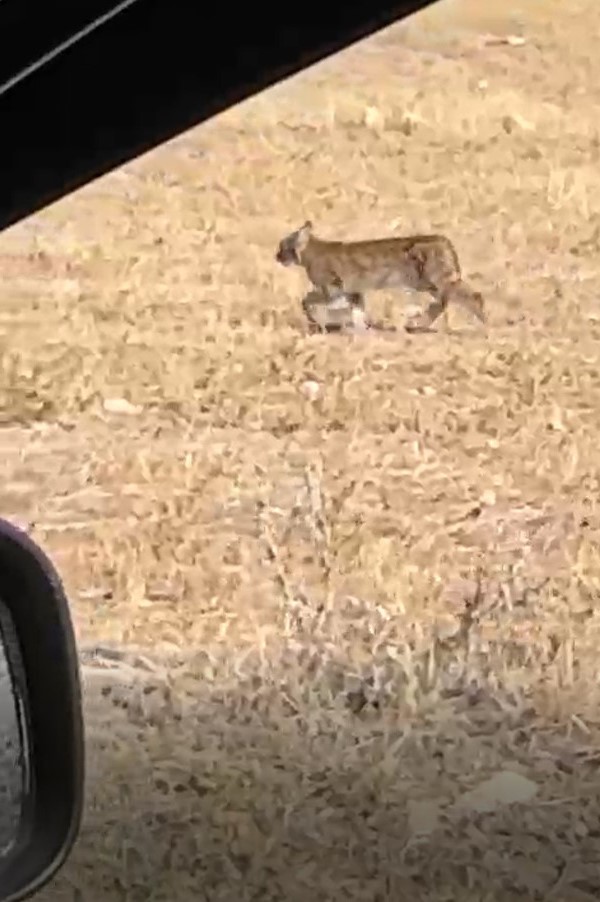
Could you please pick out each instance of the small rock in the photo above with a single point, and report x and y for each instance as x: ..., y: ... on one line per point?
x: 459, y: 593
x: 423, y: 817
x: 121, y: 405
x: 503, y: 788
x: 374, y: 118
x: 488, y: 497
x: 310, y: 389
x: 447, y: 627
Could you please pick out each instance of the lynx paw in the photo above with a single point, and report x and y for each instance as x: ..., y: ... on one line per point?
x: 417, y: 323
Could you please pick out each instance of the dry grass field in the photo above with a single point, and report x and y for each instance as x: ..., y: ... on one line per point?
x: 350, y: 584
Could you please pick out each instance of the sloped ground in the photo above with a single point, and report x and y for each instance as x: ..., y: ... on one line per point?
x: 359, y: 575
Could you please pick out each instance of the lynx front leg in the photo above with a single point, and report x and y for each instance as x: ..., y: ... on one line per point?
x: 315, y: 305
x: 335, y: 311
x: 326, y: 315
x: 351, y: 302
x: 326, y: 307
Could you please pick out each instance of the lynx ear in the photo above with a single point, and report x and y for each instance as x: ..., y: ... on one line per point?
x: 303, y: 235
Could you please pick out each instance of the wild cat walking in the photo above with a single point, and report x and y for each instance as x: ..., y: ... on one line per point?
x: 342, y: 271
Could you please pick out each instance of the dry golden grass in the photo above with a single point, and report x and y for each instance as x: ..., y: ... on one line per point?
x: 350, y: 603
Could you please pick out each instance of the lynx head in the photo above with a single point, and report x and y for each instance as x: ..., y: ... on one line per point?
x: 291, y: 247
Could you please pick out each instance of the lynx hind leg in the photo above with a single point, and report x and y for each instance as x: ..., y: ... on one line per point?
x: 457, y: 292
x: 472, y: 301
x: 422, y: 322
x: 358, y: 313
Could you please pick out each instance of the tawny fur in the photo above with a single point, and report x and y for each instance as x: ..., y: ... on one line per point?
x: 342, y: 272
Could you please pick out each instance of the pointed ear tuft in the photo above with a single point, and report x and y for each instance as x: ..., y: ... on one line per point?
x: 303, y: 236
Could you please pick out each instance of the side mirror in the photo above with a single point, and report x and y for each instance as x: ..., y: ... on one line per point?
x: 41, y: 728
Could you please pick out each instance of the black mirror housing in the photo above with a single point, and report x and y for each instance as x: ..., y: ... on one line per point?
x: 31, y: 591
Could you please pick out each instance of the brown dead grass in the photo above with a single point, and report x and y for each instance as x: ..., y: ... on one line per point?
x: 348, y: 606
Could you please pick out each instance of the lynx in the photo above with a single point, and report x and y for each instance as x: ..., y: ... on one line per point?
x: 342, y: 271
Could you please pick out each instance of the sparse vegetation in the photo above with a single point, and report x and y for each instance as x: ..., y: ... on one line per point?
x: 360, y: 576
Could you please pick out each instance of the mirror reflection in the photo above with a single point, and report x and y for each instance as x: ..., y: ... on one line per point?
x: 13, y: 758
